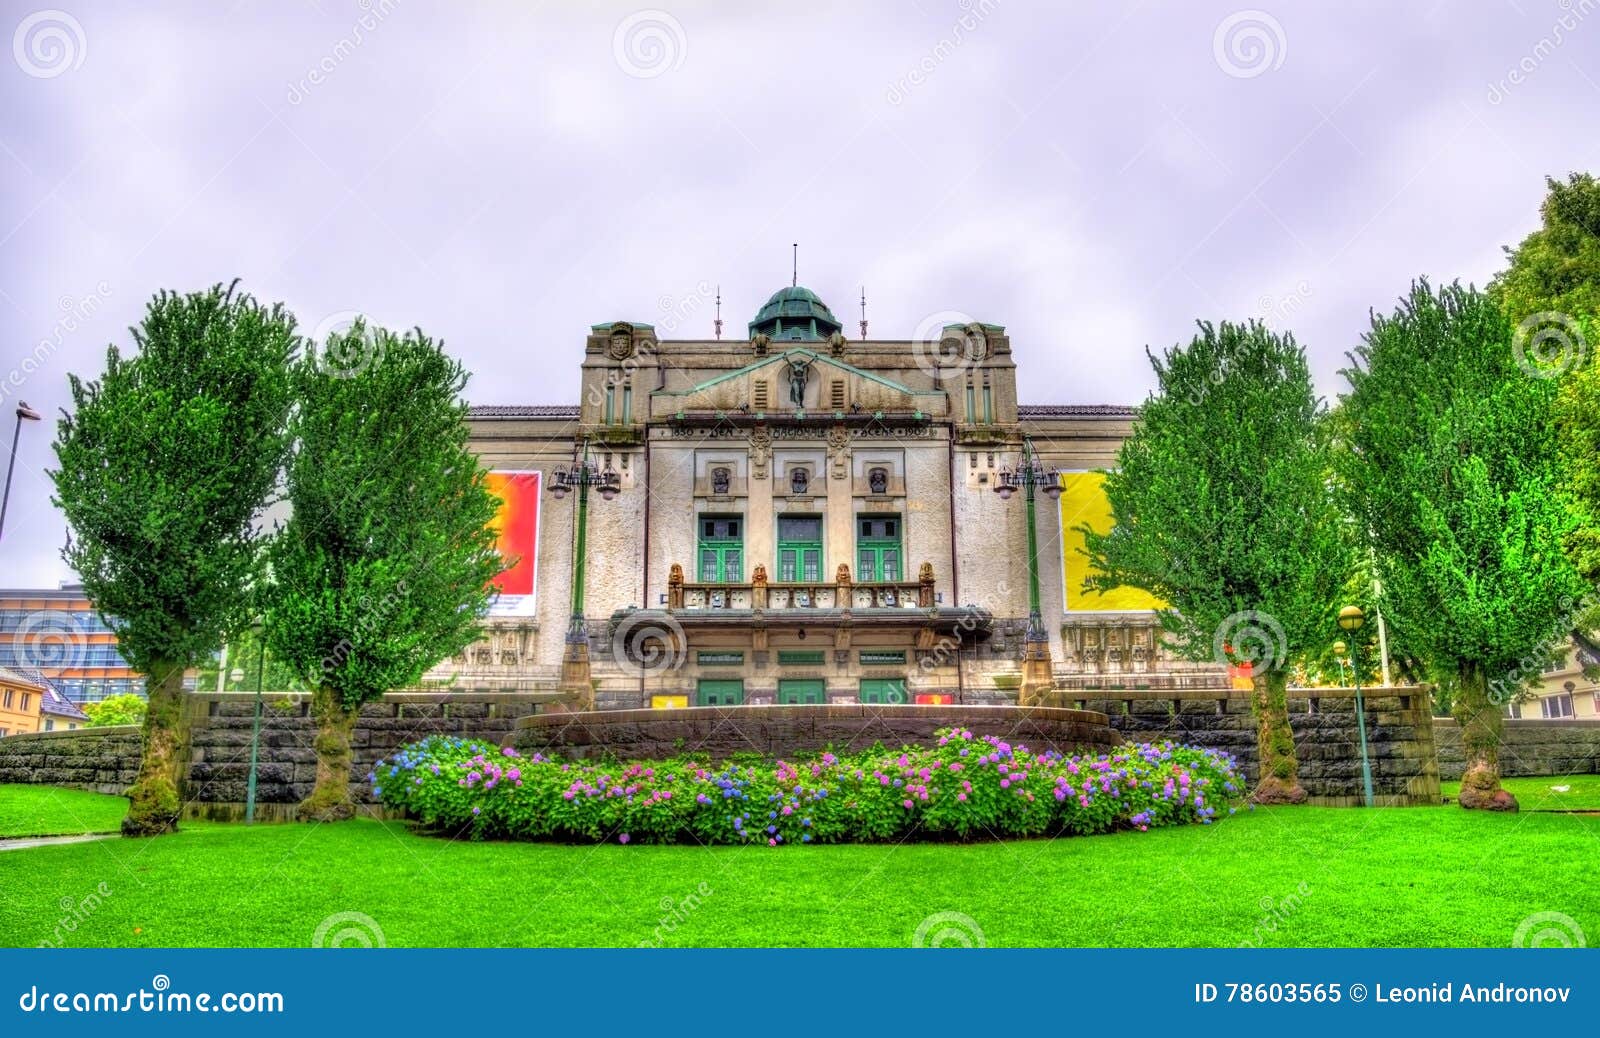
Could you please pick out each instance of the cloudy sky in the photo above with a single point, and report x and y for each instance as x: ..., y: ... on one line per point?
x: 1094, y: 177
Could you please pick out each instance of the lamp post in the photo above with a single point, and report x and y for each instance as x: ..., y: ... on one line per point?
x: 259, y: 630
x: 24, y: 414
x: 1340, y: 651
x: 1350, y: 620
x: 1031, y: 475
x: 581, y: 475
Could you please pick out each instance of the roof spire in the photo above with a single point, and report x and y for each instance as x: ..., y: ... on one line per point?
x: 863, y: 311
x: 794, y: 280
x: 719, y: 312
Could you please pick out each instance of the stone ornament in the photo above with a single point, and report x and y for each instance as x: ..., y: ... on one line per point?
x: 760, y: 452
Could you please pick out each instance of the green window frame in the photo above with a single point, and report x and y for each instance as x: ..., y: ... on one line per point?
x: 719, y: 692
x: 879, y: 554
x: 883, y: 690
x: 799, y: 549
x: 802, y: 691
x: 720, y: 554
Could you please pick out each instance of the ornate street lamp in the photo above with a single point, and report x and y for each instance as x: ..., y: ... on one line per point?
x: 1350, y: 620
x: 1030, y: 475
x: 24, y: 414
x: 580, y: 476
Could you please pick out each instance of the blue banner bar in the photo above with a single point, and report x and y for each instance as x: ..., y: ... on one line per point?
x: 780, y: 992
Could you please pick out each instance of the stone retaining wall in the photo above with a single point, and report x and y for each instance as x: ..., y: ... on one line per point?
x: 104, y: 760
x: 1399, y: 729
x: 1529, y: 746
x: 1406, y: 767
x: 781, y: 730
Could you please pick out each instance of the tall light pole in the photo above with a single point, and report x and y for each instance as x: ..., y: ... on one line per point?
x: 259, y: 630
x: 1031, y: 475
x: 24, y: 414
x: 581, y: 475
x: 1350, y: 620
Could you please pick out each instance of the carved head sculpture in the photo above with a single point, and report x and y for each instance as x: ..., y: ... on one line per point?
x: 878, y: 480
x: 799, y: 480
x: 721, y: 480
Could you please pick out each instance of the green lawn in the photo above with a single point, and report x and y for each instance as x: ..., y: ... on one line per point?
x: 1582, y: 792
x: 1401, y: 877
x: 49, y: 811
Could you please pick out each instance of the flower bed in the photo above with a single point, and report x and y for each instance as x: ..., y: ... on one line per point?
x: 963, y: 787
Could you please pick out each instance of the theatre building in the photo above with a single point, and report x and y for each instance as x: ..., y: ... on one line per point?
x: 794, y: 516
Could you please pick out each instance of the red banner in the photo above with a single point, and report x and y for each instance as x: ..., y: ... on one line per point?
x: 516, y: 528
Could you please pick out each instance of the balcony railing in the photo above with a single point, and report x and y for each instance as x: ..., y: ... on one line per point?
x: 841, y: 593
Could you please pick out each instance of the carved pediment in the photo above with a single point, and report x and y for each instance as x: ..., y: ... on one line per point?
x: 799, y: 379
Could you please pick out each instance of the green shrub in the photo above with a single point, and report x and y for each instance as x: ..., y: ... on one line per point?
x: 964, y: 787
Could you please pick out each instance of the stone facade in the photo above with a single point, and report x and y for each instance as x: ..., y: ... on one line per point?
x: 1528, y: 747
x: 868, y: 442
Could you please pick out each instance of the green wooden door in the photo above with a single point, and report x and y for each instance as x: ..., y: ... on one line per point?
x: 802, y: 690
x: 719, y: 692
x: 721, y: 550
x: 883, y: 690
x: 878, y: 549
x: 799, y: 549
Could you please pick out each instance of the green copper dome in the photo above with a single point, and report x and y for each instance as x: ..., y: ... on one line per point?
x: 795, y: 314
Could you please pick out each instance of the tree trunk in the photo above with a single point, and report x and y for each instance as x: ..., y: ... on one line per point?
x: 153, y: 801
x: 1481, y: 723
x: 1280, y: 770
x: 330, y: 798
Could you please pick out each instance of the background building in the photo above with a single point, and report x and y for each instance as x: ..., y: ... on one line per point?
x: 57, y: 633
x: 1563, y: 690
x: 20, y: 700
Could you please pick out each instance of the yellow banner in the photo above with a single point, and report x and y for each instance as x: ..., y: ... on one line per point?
x: 1083, y: 502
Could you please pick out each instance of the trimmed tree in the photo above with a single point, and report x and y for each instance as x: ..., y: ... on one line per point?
x: 1451, y: 467
x: 1221, y: 507
x: 383, y: 567
x: 166, y: 464
x: 1550, y: 292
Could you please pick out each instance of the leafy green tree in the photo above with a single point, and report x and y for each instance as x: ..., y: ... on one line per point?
x: 1222, y: 509
x: 1450, y: 466
x: 383, y: 567
x: 1551, y: 293
x: 122, y: 708
x: 166, y: 464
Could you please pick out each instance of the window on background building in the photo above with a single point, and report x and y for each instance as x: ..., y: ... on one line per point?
x: 49, y: 725
x: 1596, y: 696
x: 9, y: 699
x: 721, y: 549
x: 878, y: 551
x: 1514, y: 710
x: 799, y: 548
x: 1556, y: 706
